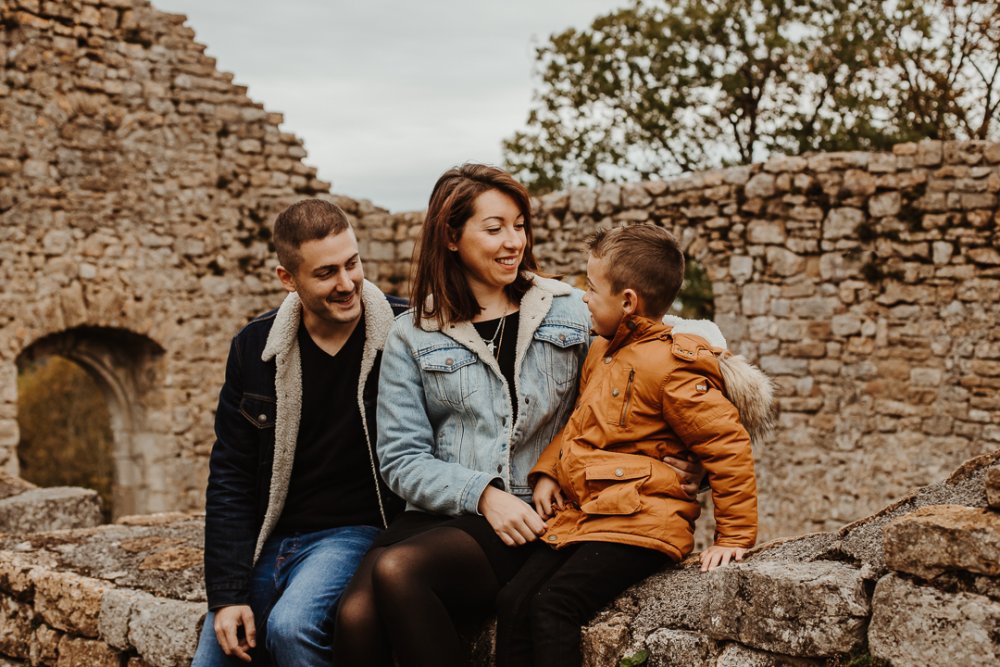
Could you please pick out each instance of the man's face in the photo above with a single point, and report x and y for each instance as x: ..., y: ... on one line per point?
x: 329, y: 278
x: 606, y: 309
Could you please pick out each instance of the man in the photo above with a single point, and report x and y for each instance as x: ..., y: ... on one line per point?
x: 294, y: 496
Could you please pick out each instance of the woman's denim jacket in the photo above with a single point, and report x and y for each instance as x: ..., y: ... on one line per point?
x: 444, y: 411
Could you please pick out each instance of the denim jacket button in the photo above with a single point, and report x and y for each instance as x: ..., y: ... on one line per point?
x: 262, y: 417
x: 500, y: 468
x: 449, y: 361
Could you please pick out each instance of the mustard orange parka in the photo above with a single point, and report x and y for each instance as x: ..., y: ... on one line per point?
x: 646, y: 394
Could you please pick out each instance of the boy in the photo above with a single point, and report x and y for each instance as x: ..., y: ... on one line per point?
x: 615, y: 511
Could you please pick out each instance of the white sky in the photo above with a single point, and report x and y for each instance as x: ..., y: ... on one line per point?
x: 387, y: 94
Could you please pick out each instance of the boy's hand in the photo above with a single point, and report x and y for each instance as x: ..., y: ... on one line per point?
x: 689, y: 472
x: 228, y: 621
x: 546, y: 494
x: 715, y: 556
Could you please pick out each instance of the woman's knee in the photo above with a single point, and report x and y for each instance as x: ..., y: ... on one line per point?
x: 394, y: 571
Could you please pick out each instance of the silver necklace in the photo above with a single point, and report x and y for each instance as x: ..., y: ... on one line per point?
x: 492, y: 344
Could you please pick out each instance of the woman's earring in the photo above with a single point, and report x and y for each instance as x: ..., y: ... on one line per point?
x: 453, y: 248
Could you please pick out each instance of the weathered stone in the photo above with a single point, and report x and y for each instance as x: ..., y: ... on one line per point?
x: 679, y: 648
x: 50, y: 509
x: 783, y: 262
x: 842, y: 223
x: 75, y: 652
x: 801, y: 609
x: 735, y: 655
x: 915, y: 626
x: 765, y: 231
x: 939, y: 538
x: 993, y: 487
x: 68, y: 601
x: 165, y: 632
x: 884, y: 204
x: 760, y: 185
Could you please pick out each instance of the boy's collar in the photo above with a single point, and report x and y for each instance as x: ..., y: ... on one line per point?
x: 631, y: 326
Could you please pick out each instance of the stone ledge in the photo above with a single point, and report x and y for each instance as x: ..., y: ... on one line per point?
x: 938, y: 538
x: 53, y: 508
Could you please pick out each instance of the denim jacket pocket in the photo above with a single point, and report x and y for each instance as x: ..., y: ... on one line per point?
x: 562, y: 351
x: 259, y: 410
x: 448, y: 372
x: 614, y: 489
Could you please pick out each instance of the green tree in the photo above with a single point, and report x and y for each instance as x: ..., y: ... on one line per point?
x: 659, y: 87
x: 65, y: 428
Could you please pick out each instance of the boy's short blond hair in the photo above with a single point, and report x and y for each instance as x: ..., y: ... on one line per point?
x: 645, y: 258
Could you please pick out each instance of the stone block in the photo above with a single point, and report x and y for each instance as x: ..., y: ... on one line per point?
x: 740, y: 268
x: 993, y: 487
x: 68, y: 601
x: 766, y: 231
x: 736, y: 655
x: 884, y: 204
x: 940, y: 538
x: 783, y: 262
x: 51, y: 508
x: 809, y: 609
x: 15, y: 628
x: 680, y: 648
x: 842, y: 223
x: 77, y: 652
x: 11, y: 485
x: 583, y: 200
x: 914, y: 626
x: 165, y: 632
x: 760, y: 186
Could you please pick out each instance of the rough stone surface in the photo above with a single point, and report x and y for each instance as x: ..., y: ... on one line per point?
x: 939, y: 538
x: 47, y: 509
x: 914, y: 626
x: 681, y: 648
x: 737, y: 655
x: 68, y: 601
x: 165, y: 632
x: 993, y: 487
x: 801, y: 609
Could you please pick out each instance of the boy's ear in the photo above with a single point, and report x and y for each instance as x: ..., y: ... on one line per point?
x: 630, y: 302
x: 286, y: 278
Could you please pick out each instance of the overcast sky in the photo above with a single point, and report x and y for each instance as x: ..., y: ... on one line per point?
x: 387, y: 94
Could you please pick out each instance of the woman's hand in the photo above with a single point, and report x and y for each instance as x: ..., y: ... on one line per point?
x: 689, y: 472
x: 512, y: 519
x: 546, y: 494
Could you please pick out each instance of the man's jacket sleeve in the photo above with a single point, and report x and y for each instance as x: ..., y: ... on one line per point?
x: 231, y: 504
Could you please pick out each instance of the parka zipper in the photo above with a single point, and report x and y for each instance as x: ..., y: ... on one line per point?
x: 628, y: 397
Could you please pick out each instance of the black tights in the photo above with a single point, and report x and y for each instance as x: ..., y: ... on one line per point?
x: 404, y: 599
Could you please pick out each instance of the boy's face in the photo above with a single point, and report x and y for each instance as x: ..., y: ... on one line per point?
x: 606, y: 307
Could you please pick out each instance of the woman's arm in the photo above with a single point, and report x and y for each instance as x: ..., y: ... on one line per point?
x: 406, y: 448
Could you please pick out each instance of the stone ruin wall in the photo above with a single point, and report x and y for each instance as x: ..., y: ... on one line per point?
x: 137, y: 185
x: 865, y: 284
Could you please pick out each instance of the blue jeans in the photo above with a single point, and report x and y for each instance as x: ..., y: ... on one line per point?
x: 297, y: 583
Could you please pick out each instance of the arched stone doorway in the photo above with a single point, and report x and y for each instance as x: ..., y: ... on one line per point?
x: 126, y: 368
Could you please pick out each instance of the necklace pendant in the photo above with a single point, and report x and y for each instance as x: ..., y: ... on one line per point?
x: 490, y: 346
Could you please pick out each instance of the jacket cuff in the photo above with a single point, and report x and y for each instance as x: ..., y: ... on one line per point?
x: 226, y: 597
x: 473, y: 492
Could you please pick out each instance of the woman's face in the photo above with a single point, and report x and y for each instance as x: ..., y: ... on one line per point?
x: 492, y: 242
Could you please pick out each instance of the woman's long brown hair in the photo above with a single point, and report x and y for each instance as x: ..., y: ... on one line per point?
x: 439, y: 273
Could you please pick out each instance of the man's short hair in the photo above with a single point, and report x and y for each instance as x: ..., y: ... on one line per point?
x: 645, y: 258
x: 307, y: 220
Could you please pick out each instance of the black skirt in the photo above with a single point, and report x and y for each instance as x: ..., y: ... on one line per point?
x: 505, y: 561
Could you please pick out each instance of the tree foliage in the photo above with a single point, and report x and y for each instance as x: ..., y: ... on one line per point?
x: 65, y: 428
x: 660, y: 87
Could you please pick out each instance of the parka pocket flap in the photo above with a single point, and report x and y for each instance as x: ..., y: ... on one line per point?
x: 260, y: 411
x: 446, y: 360
x: 561, y: 335
x: 611, y: 472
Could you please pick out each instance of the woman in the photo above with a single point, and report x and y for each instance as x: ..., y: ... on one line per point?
x: 475, y: 382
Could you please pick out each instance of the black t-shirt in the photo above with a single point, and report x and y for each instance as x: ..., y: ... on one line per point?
x: 332, y: 483
x: 506, y: 342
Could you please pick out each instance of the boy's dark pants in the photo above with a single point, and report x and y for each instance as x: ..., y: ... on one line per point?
x: 541, y: 610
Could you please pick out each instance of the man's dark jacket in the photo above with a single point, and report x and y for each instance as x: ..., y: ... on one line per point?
x: 256, y: 427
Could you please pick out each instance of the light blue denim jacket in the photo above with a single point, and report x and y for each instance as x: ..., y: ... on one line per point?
x: 444, y: 411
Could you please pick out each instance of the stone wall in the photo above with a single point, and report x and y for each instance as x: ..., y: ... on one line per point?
x: 137, y: 188
x: 916, y: 584
x: 864, y: 284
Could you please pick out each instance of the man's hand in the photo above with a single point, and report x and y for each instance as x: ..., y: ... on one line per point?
x: 546, y: 494
x: 512, y: 519
x: 715, y: 556
x: 227, y: 623
x: 689, y: 472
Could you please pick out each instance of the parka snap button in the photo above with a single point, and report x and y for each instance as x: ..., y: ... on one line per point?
x: 607, y: 360
x: 619, y: 472
x: 262, y: 417
x: 615, y: 392
x: 552, y: 538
